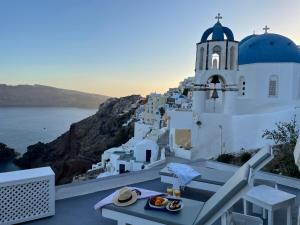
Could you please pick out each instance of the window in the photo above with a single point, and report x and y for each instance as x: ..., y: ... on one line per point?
x: 215, y: 61
x: 201, y: 58
x: 183, y: 138
x: 216, y: 57
x: 232, y: 58
x: 242, y: 86
x: 273, y: 86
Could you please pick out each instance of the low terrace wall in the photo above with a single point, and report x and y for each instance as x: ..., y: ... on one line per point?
x: 26, y: 195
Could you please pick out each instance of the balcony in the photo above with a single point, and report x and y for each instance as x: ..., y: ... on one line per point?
x: 75, y: 202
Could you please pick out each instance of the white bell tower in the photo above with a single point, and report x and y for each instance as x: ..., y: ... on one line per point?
x: 216, y: 69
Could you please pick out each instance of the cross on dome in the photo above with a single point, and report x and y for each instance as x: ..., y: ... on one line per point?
x: 266, y: 28
x: 217, y: 32
x: 218, y: 17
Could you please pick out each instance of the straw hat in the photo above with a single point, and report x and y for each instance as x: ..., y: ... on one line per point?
x: 125, y: 197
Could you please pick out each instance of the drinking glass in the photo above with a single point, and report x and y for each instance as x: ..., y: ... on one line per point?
x: 177, y: 193
x: 170, y: 191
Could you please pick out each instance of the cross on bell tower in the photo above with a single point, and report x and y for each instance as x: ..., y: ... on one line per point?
x: 266, y: 28
x: 218, y: 17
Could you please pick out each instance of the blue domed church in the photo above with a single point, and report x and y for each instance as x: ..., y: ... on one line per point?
x: 240, y: 89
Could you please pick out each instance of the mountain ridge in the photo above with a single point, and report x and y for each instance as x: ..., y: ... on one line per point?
x: 25, y: 95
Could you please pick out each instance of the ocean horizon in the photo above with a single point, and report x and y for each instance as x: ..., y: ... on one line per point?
x: 24, y: 126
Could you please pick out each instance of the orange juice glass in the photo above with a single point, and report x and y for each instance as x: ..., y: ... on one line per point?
x: 170, y: 191
x: 177, y: 193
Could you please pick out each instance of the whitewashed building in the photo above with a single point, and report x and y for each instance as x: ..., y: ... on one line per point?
x: 135, y: 155
x: 177, y: 100
x: 151, y: 113
x: 146, y: 151
x: 186, y: 85
x: 240, y: 89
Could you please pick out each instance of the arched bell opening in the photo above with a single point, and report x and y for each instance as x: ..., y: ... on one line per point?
x: 216, y: 57
x: 215, y: 93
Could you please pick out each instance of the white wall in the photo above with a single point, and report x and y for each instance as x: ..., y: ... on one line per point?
x: 238, y: 131
x: 206, y: 139
x: 257, y: 77
x: 296, y: 81
x: 114, y: 160
x: 126, y: 163
x: 107, y: 153
x: 180, y: 119
x: 136, y: 166
x: 248, y: 129
x: 183, y: 153
x: 141, y: 148
x: 140, y: 154
x: 140, y: 130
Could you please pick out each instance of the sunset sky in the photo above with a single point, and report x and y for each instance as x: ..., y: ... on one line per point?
x: 118, y: 47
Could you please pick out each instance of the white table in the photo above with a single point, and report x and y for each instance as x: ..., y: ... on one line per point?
x: 136, y: 214
x: 270, y: 199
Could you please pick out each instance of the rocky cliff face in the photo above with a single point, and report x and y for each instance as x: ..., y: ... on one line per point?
x: 75, y: 151
x: 6, y: 153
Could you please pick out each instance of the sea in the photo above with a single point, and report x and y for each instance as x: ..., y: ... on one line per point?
x: 24, y: 126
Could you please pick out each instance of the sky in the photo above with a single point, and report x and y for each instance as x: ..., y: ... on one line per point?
x: 122, y: 47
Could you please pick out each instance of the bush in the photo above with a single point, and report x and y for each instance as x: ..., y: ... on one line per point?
x: 284, y: 133
x: 283, y: 162
x: 225, y: 158
x: 285, y: 137
x: 245, y: 156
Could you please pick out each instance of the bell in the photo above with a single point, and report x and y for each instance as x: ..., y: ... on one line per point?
x: 215, y: 94
x: 215, y: 80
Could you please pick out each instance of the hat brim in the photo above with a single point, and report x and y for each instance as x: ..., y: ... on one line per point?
x: 129, y: 202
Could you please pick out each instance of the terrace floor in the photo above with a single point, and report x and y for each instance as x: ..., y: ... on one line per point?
x: 79, y: 208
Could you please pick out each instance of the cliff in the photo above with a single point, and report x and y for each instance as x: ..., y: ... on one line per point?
x: 6, y: 153
x: 38, y: 95
x: 75, y: 151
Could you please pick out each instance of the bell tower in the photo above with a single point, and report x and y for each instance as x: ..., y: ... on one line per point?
x: 216, y: 71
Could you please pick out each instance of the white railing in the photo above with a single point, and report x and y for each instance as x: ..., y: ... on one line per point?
x: 26, y: 195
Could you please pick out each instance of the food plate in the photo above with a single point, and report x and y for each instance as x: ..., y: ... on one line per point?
x: 175, y: 205
x: 158, y: 202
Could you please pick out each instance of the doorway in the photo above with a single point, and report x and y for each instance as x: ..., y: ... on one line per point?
x: 148, y: 155
x: 121, y: 168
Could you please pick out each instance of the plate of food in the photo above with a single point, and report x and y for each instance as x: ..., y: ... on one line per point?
x: 158, y: 202
x: 174, y: 205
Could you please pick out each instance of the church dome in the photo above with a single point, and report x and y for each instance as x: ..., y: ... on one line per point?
x: 218, y: 32
x: 247, y: 38
x: 268, y: 48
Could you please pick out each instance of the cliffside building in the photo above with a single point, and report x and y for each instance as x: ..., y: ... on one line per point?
x: 151, y: 112
x: 135, y: 155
